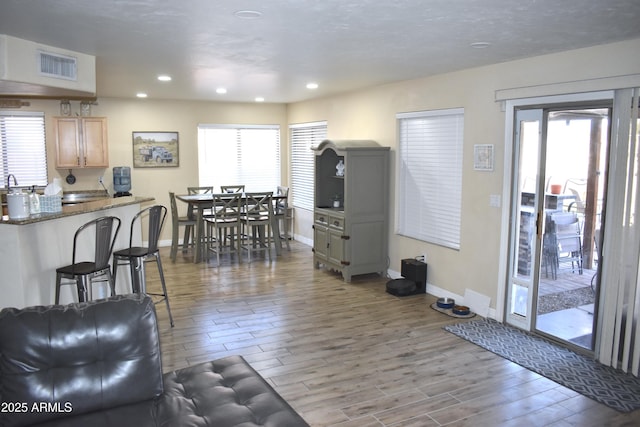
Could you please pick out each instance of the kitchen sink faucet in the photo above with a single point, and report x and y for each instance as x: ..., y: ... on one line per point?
x: 15, y: 181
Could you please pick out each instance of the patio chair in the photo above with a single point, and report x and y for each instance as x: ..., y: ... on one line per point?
x: 566, y: 231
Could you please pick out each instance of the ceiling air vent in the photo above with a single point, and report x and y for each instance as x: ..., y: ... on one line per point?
x: 58, y: 66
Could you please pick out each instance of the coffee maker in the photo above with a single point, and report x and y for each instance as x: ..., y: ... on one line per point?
x: 122, y: 181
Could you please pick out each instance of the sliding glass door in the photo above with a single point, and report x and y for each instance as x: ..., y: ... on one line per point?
x: 556, y: 212
x: 525, y: 234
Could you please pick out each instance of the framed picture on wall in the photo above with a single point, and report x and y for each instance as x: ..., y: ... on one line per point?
x: 155, y: 149
x: 483, y: 157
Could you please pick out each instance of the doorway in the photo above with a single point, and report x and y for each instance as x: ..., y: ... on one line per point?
x: 558, y: 193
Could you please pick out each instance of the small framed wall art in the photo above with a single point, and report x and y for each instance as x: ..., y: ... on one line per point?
x: 155, y: 149
x: 483, y: 157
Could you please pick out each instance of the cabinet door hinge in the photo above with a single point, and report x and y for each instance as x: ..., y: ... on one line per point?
x: 345, y: 237
x: 345, y: 262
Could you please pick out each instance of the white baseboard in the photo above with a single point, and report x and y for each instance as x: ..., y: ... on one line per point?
x: 305, y: 240
x: 436, y: 291
x: 431, y: 289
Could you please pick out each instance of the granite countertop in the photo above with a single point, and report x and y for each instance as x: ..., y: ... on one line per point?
x: 77, y: 209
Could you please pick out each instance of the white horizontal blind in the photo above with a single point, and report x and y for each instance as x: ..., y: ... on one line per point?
x: 24, y: 151
x: 303, y: 137
x: 246, y: 155
x: 430, y: 176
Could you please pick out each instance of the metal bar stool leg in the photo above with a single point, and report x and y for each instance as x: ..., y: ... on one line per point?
x: 138, y: 284
x: 112, y: 283
x: 164, y: 288
x: 84, y: 291
x: 58, y: 283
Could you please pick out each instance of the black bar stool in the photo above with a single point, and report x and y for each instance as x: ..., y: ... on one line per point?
x: 85, y: 272
x: 136, y: 256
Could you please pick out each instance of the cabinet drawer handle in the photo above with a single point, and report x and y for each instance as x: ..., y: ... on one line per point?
x: 78, y: 160
x: 321, y: 219
x: 336, y: 223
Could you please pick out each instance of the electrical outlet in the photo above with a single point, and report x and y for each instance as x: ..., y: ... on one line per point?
x: 422, y: 258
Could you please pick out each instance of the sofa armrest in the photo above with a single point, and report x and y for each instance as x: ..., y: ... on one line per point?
x: 78, y: 358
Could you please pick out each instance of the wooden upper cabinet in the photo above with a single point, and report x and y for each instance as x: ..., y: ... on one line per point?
x: 81, y: 142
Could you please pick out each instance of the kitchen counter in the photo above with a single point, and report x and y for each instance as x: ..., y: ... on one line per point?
x: 31, y: 250
x: 78, y: 208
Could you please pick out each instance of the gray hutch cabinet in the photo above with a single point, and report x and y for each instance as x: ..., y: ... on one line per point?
x: 351, y: 207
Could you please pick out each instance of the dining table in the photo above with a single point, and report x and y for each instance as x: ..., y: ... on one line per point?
x: 203, y: 201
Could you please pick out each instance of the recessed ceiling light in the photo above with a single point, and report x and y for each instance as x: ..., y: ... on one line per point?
x: 164, y: 78
x: 141, y: 95
x: 259, y: 99
x: 480, y: 45
x: 221, y: 90
x: 247, y: 14
x: 312, y: 85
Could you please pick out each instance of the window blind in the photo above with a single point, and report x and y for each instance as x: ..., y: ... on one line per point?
x: 246, y: 155
x: 303, y: 137
x: 619, y: 341
x: 430, y: 176
x: 24, y: 151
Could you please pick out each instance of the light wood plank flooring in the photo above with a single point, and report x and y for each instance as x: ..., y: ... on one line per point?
x: 351, y: 354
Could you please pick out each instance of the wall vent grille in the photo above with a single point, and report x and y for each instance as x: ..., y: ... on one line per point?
x: 58, y: 66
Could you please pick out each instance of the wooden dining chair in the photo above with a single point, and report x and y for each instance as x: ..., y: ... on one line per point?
x: 223, y: 225
x: 178, y: 221
x: 282, y: 214
x: 256, y: 220
x: 232, y: 188
x: 190, y: 208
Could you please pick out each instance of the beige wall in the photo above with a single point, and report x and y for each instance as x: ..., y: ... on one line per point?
x: 371, y: 114
x: 368, y: 114
x: 126, y: 116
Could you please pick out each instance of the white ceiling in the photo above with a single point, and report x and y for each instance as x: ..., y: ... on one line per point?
x: 342, y: 45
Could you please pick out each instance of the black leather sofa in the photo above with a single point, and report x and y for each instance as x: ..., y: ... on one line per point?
x: 99, y: 364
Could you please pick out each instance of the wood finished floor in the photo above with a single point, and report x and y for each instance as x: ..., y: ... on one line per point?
x: 351, y: 354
